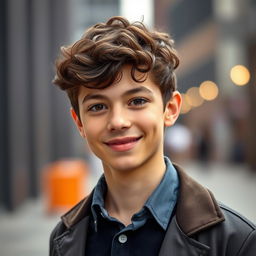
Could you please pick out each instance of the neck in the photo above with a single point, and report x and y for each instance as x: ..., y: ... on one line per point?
x: 129, y: 190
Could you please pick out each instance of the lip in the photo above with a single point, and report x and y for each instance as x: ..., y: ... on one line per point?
x: 123, y: 144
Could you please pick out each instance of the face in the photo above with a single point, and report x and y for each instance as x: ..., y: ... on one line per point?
x: 124, y: 123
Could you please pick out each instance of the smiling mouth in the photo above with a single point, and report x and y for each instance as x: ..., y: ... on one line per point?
x: 123, y: 144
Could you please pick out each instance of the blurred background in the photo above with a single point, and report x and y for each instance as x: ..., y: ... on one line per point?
x: 214, y: 139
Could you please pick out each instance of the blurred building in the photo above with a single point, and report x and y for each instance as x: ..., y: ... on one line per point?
x: 35, y: 125
x: 212, y: 37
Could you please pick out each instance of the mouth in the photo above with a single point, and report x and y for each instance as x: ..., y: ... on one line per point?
x: 123, y: 144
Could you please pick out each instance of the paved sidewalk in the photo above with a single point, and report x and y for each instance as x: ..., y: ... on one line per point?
x: 26, y: 231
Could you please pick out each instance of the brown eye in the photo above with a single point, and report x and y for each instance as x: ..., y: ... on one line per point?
x: 138, y: 102
x: 97, y: 107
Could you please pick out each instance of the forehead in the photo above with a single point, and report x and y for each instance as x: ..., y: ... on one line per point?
x: 123, y: 87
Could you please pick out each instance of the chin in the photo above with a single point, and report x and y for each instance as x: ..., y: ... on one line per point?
x: 123, y: 164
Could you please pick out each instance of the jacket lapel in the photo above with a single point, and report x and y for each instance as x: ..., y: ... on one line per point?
x: 72, y: 242
x: 196, y: 211
x: 177, y: 243
x: 197, y: 208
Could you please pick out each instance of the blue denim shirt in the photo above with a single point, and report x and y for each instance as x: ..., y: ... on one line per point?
x: 148, y: 225
x: 160, y: 204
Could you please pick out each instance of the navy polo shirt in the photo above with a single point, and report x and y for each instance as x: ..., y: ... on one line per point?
x: 144, y: 236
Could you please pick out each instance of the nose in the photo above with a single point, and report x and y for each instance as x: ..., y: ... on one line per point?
x: 118, y: 120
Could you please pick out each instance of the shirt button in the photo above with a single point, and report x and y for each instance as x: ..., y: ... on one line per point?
x: 122, y: 239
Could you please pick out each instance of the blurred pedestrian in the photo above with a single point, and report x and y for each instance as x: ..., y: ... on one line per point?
x: 178, y: 142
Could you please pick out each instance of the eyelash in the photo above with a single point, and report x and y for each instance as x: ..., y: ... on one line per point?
x: 132, y: 102
x: 92, y: 108
x: 142, y: 101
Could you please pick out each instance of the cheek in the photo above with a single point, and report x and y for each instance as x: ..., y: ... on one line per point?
x: 151, y: 120
x: 91, y: 138
x: 91, y: 131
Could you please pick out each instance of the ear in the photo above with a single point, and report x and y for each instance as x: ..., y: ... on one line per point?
x: 78, y: 123
x: 172, y: 109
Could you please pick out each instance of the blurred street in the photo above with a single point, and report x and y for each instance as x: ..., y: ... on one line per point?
x: 214, y: 138
x: 26, y: 231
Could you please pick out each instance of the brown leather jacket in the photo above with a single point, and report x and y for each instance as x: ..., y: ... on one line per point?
x: 200, y: 226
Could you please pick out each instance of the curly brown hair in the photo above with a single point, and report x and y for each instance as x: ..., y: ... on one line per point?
x: 96, y: 60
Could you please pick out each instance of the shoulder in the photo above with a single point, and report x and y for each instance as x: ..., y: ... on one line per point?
x: 200, y: 216
x: 59, y: 229
x: 238, y: 226
x: 239, y: 232
x: 234, y: 218
x: 69, y: 220
x: 236, y: 235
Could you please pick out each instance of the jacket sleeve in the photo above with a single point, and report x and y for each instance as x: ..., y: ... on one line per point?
x: 249, y: 246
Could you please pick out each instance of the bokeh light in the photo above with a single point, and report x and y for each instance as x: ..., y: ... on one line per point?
x: 208, y: 90
x: 240, y: 75
x: 193, y: 97
x: 185, y: 107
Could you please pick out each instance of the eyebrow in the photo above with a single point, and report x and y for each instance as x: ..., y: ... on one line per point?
x: 93, y: 96
x: 127, y: 93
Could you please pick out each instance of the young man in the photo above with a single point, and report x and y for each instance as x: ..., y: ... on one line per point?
x: 121, y: 83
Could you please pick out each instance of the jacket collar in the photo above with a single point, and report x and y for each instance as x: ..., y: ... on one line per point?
x: 78, y: 212
x: 197, y: 208
x: 177, y: 243
x: 73, y: 240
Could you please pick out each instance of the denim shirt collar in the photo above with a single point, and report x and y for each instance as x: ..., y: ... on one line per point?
x: 160, y: 204
x: 162, y: 201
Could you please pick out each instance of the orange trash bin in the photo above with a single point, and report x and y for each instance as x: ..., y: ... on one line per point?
x: 65, y: 184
